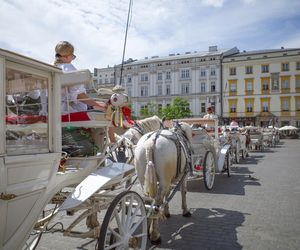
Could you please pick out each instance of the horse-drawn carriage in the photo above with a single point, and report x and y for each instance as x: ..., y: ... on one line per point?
x: 36, y: 170
x: 256, y: 137
x: 210, y: 155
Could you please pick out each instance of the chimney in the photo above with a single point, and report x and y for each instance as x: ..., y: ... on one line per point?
x: 212, y: 48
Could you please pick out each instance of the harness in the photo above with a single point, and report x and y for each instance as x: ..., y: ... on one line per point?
x: 181, y: 142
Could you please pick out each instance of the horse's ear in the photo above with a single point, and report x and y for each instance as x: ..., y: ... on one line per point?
x: 163, y: 119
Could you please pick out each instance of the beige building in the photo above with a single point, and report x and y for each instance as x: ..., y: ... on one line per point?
x: 194, y: 76
x: 261, y: 87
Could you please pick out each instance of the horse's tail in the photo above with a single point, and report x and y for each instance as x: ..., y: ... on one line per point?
x: 150, y: 184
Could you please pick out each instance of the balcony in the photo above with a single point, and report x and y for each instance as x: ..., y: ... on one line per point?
x: 265, y: 91
x: 285, y: 113
x: 232, y: 93
x: 249, y: 92
x: 297, y: 89
x: 285, y: 90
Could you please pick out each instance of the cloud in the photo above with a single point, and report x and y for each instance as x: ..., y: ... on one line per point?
x: 97, y: 28
x: 214, y: 3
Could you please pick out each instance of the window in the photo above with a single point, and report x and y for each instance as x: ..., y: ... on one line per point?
x: 212, y: 72
x: 232, y: 71
x: 264, y: 68
x: 297, y: 82
x: 185, y: 88
x: 202, y: 72
x: 112, y: 80
x: 249, y: 86
x: 100, y: 81
x: 265, y: 107
x: 202, y: 86
x: 129, y: 79
x: 213, y: 87
x: 232, y: 87
x: 26, y: 97
x: 232, y: 108
x: 285, y: 84
x: 297, y: 65
x: 203, y: 109
x: 159, y: 90
x: 285, y: 67
x: 159, y: 76
x: 168, y: 89
x: 265, y: 85
x: 129, y: 91
x: 298, y: 105
x: 249, y: 69
x: 106, y: 80
x: 249, y: 107
x: 144, y: 77
x: 185, y: 73
x: 144, y: 90
x: 285, y: 105
x: 275, y: 81
x: 168, y: 75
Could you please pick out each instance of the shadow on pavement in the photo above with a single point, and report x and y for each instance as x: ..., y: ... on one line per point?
x: 233, y: 185
x: 207, y: 229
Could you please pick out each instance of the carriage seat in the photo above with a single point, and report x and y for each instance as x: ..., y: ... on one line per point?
x: 86, y: 119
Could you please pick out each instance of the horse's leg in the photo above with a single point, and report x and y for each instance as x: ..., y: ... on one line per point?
x: 154, y: 233
x: 183, y: 189
x: 166, y: 208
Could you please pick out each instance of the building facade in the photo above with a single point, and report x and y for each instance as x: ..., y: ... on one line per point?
x: 262, y: 87
x: 196, y: 77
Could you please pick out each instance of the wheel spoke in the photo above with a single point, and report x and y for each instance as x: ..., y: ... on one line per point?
x: 140, y: 235
x: 128, y: 219
x: 120, y: 225
x: 135, y: 214
x: 114, y: 232
x: 136, y: 225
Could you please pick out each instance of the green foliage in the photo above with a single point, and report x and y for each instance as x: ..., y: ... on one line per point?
x: 150, y: 110
x: 179, y: 108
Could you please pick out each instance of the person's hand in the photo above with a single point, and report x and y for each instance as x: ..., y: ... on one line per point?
x: 100, y: 106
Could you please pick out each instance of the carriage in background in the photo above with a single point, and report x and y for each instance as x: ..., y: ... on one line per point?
x: 256, y: 137
x: 210, y: 154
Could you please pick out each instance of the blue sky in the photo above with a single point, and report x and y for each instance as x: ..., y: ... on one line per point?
x: 158, y: 27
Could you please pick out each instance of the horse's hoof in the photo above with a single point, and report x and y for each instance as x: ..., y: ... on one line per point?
x: 156, y: 242
x: 187, y: 214
x: 168, y: 215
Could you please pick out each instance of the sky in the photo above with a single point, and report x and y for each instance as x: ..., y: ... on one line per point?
x: 96, y: 28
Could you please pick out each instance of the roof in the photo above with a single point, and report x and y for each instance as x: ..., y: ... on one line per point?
x: 178, y: 56
x: 263, y: 51
x: 19, y: 57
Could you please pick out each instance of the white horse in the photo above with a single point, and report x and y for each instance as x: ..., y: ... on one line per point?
x: 142, y: 127
x: 162, y: 158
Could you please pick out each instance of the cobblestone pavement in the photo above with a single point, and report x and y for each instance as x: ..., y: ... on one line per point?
x: 258, y: 207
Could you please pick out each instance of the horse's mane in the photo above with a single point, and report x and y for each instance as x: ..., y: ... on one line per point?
x: 150, y: 124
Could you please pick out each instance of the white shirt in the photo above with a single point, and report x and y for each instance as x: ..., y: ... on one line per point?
x: 69, y: 94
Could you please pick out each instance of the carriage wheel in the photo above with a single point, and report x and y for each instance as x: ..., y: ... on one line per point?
x: 209, y: 170
x: 227, y: 162
x: 125, y: 223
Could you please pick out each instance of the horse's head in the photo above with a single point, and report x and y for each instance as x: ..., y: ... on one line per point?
x: 185, y: 128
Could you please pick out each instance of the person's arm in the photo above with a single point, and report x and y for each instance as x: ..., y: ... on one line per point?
x: 83, y: 97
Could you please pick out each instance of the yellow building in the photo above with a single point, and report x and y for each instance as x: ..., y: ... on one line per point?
x: 262, y: 87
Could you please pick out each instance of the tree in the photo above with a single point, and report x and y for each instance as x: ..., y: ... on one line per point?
x: 150, y: 109
x: 179, y: 108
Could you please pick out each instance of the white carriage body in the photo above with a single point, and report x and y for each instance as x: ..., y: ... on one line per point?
x: 29, y: 163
